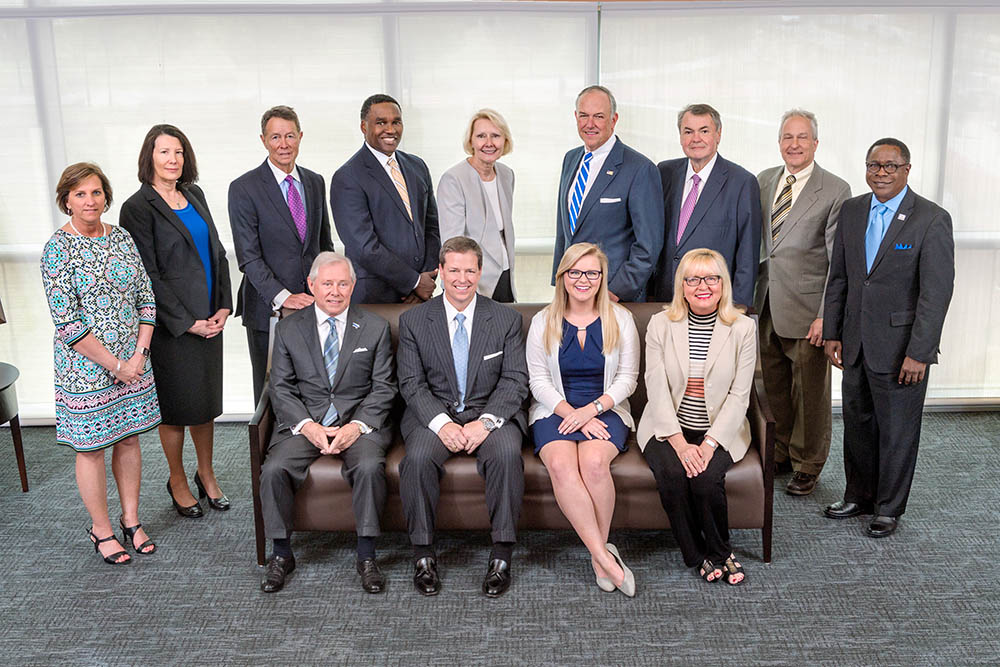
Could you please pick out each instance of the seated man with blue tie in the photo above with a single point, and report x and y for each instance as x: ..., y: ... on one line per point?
x: 464, y: 378
x: 332, y: 386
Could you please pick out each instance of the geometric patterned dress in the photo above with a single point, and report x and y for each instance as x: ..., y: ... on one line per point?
x: 98, y: 286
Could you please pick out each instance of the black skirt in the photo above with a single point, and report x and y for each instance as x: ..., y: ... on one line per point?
x: 188, y: 373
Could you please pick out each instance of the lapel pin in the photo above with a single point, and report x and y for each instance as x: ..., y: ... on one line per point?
x: 355, y: 325
x: 611, y: 173
x: 901, y: 217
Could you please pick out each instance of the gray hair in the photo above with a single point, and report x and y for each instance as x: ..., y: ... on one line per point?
x: 328, y: 257
x: 801, y: 113
x: 700, y: 110
x: 590, y: 89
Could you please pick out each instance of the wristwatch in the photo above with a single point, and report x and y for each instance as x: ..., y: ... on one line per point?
x: 711, y: 443
x: 597, y: 404
x: 489, y: 424
x: 144, y: 351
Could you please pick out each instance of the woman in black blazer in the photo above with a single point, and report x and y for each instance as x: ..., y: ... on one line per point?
x: 171, y: 224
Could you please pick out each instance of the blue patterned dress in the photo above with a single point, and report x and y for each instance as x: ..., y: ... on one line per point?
x: 99, y: 286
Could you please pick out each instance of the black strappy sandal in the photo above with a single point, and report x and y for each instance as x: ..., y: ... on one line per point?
x: 128, y: 532
x: 732, y: 568
x: 707, y: 569
x: 113, y: 558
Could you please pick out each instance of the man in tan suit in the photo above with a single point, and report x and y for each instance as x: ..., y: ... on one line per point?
x: 800, y: 204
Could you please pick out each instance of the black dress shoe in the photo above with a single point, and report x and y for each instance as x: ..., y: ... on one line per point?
x: 372, y: 579
x: 882, y: 526
x: 497, y: 579
x: 782, y: 467
x: 425, y: 576
x: 192, y: 512
x: 278, y: 568
x: 845, y: 510
x: 801, y: 484
x: 221, y: 503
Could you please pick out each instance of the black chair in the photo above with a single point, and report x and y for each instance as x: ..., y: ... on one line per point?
x: 8, y: 413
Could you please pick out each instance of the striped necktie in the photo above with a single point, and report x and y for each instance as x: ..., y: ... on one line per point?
x: 578, y: 190
x: 400, y: 183
x: 331, y: 354
x: 460, y: 352
x: 781, y: 207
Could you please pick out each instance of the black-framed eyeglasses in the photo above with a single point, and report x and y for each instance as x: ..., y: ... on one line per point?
x: 694, y: 281
x: 890, y: 167
x: 574, y: 274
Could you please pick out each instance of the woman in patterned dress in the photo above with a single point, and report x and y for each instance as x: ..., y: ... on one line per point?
x: 102, y: 304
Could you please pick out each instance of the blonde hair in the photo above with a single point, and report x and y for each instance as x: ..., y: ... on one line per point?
x: 495, y: 118
x: 556, y: 311
x: 698, y: 258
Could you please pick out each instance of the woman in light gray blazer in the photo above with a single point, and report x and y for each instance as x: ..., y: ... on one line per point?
x: 475, y: 198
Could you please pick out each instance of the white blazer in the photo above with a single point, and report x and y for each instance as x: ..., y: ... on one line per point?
x: 621, y: 369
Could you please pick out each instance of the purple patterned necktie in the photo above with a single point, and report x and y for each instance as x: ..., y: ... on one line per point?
x: 297, y: 209
x: 688, y: 208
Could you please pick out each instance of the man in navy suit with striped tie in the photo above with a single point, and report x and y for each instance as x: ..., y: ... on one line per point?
x: 610, y: 195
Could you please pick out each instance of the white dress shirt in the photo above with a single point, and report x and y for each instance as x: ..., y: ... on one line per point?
x: 596, y: 163
x: 492, y: 190
x: 801, y: 179
x: 705, y: 172
x: 279, y: 299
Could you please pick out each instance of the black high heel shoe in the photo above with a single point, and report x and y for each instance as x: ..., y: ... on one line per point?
x: 221, y: 503
x: 113, y: 558
x: 192, y: 512
x: 128, y: 533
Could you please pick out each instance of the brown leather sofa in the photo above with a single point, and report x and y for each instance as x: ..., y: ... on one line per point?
x: 324, y: 501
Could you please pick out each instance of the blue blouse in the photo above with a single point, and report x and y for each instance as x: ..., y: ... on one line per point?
x: 199, y: 232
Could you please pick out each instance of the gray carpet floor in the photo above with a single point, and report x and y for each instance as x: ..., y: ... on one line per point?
x: 929, y: 595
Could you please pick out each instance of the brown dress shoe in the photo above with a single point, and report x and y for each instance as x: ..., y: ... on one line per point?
x: 801, y: 484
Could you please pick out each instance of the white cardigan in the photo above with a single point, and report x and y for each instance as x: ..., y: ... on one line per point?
x: 621, y: 369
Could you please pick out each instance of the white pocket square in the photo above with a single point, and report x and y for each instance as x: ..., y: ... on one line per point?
x: 490, y: 356
x: 610, y: 200
x: 360, y: 349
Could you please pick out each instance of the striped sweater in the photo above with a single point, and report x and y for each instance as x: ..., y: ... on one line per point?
x: 692, y: 413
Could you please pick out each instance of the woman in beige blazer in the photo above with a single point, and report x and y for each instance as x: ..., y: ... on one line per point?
x: 583, y: 363
x: 475, y: 198
x: 700, y: 358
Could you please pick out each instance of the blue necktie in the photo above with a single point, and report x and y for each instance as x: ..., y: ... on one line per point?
x: 331, y: 354
x: 578, y: 190
x: 460, y: 352
x: 874, y: 234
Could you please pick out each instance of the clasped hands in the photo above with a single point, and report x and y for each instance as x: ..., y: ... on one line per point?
x: 211, y: 327
x: 463, y: 438
x: 584, y: 420
x: 130, y: 370
x: 331, y: 439
x: 694, y: 458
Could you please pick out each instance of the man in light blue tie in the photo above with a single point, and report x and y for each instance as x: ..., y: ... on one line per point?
x: 609, y: 195
x: 891, y: 279
x: 464, y: 378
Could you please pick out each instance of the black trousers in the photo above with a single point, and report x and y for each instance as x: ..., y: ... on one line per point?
x: 504, y: 293
x: 697, y: 508
x: 498, y: 461
x: 285, y: 469
x: 257, y: 342
x: 881, y: 432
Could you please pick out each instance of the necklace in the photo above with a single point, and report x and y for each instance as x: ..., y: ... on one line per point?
x: 175, y: 195
x: 104, y: 231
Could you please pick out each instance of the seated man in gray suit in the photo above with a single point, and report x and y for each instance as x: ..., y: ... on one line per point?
x: 464, y: 378
x: 609, y: 195
x: 800, y: 202
x: 332, y: 386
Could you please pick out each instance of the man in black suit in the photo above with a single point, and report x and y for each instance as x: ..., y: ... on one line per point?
x: 280, y: 223
x: 463, y: 375
x: 332, y: 386
x: 384, y: 209
x: 891, y: 279
x: 709, y: 202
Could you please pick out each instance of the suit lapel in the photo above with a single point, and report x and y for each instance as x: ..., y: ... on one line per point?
x: 272, y: 190
x: 409, y: 171
x: 679, y: 336
x: 565, y: 184
x: 710, y: 190
x: 720, y: 334
x: 355, y: 326
x: 153, y: 197
x: 601, y: 181
x: 310, y: 333
x: 900, y: 219
x: 377, y: 172
x: 767, y: 194
x: 439, y: 330
x: 806, y: 200
x: 477, y: 342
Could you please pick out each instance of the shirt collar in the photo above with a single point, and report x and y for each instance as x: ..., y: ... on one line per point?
x: 451, y: 311
x: 705, y: 172
x: 604, y: 148
x: 383, y: 159
x: 892, y: 204
x: 802, y: 175
x: 280, y: 175
x: 322, y: 317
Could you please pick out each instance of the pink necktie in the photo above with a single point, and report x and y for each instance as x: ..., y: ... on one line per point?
x: 296, y: 208
x: 688, y: 208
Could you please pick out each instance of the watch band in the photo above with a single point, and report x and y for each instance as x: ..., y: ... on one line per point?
x: 599, y: 406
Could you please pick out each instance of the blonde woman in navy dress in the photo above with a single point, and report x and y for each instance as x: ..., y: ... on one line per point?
x: 171, y: 224
x: 583, y: 362
x: 102, y: 305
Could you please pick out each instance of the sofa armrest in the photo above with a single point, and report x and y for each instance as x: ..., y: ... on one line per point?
x: 261, y: 426
x: 762, y: 438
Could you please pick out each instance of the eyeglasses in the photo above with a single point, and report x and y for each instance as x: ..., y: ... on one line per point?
x: 694, y: 281
x: 890, y: 167
x: 574, y: 274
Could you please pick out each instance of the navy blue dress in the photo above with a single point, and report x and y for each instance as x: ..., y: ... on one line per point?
x: 582, y: 372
